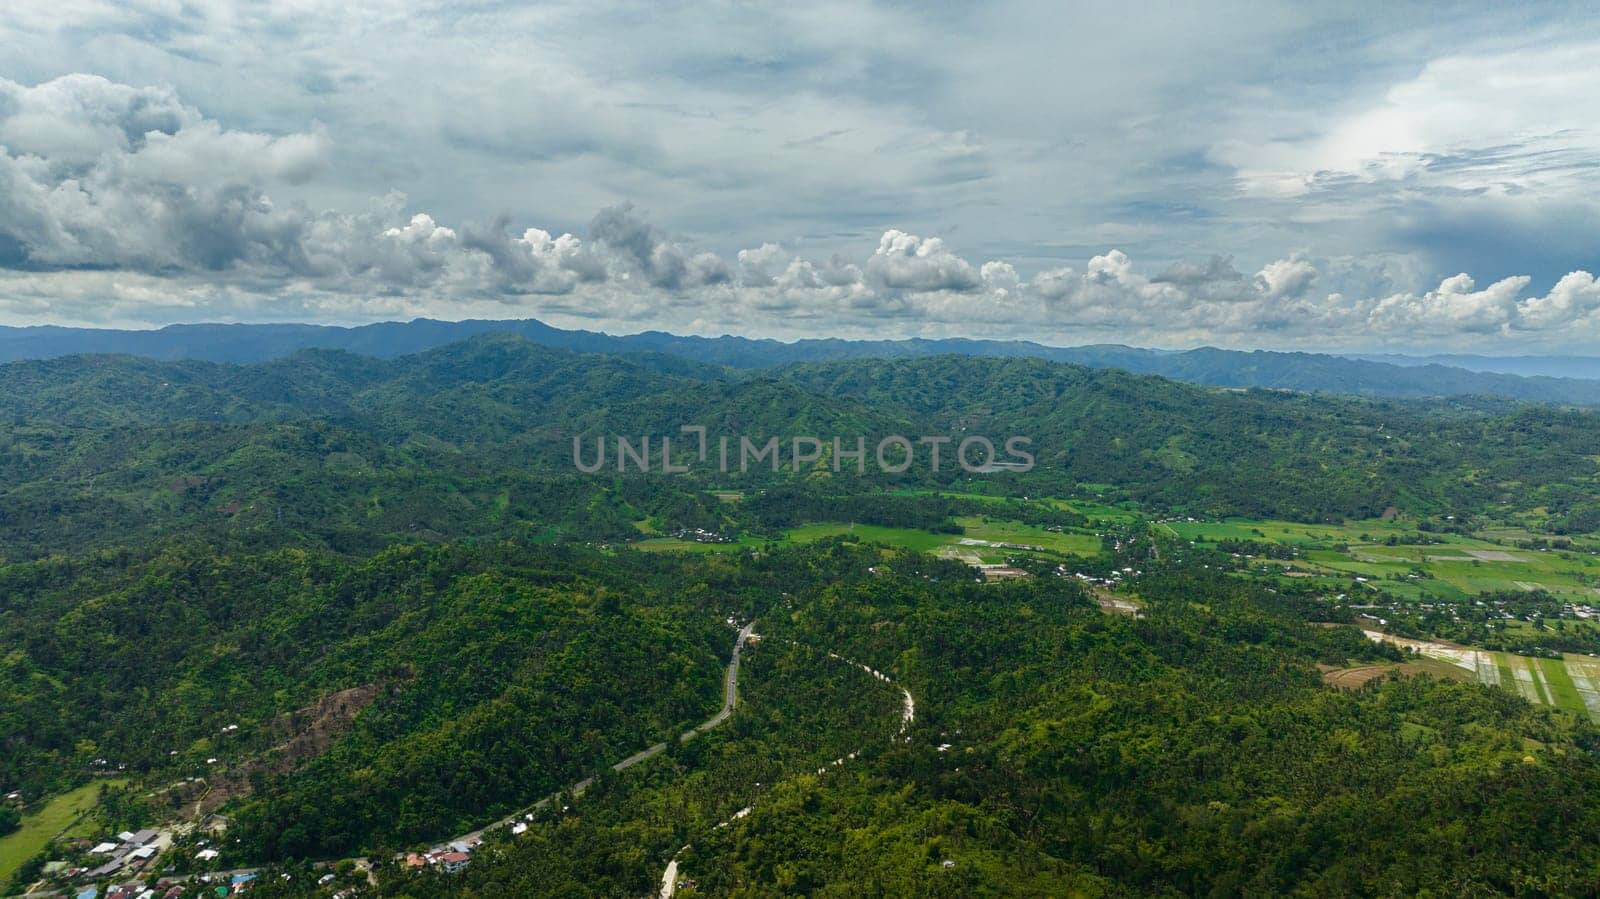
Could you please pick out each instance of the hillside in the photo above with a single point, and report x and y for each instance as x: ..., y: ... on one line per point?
x: 363, y: 606
x: 1395, y: 376
x: 476, y: 438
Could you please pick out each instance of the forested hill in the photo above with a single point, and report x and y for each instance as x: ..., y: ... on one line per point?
x: 1388, y: 376
x: 364, y: 606
x: 476, y: 438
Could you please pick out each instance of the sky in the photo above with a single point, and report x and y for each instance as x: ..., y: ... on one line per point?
x: 1342, y: 177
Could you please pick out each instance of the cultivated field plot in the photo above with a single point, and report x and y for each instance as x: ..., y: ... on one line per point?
x: 1456, y: 568
x: 1293, y: 533
x: 1089, y: 508
x: 1470, y: 567
x: 1571, y: 682
x: 984, y: 541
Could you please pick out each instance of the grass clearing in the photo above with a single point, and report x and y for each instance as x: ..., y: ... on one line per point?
x: 39, y: 827
x: 1015, y: 532
x: 985, y: 540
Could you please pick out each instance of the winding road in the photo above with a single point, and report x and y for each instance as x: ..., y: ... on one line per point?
x: 908, y: 714
x: 730, y: 698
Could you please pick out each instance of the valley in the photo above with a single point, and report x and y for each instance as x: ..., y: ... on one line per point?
x: 349, y: 626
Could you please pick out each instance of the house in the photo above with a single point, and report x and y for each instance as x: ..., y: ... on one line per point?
x: 103, y: 848
x: 206, y: 855
x: 89, y: 892
x: 143, y: 853
x: 454, y: 861
x: 142, y: 837
x: 108, y: 867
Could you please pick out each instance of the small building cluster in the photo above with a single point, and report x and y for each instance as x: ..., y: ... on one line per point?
x: 450, y: 859
x: 130, y: 852
x: 701, y: 535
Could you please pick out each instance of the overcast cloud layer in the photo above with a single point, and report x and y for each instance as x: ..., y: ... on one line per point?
x: 1255, y: 176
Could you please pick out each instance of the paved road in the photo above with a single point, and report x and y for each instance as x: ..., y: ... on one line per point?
x: 730, y: 697
x: 908, y: 713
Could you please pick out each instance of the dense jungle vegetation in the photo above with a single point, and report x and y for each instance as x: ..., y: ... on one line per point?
x: 357, y: 607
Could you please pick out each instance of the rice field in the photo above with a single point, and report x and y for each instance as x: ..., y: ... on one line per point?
x: 1571, y: 682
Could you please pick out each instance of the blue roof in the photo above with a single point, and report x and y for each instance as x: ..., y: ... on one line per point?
x: 89, y: 893
x: 244, y: 878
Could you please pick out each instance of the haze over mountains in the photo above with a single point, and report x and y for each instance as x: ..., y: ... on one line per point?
x: 1564, y: 379
x: 1552, y: 366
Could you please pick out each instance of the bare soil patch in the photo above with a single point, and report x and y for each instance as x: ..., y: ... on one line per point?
x: 1353, y: 678
x: 1494, y: 555
x: 302, y: 735
x: 1359, y: 675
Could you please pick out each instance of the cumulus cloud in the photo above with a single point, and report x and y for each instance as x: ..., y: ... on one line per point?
x: 123, y: 204
x: 641, y: 247
x: 1285, y: 278
x: 95, y: 174
x: 908, y: 262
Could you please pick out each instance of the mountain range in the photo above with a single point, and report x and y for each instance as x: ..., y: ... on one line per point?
x: 1394, y: 376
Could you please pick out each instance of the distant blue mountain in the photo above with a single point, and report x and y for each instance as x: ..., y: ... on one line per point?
x: 1546, y: 366
x: 1394, y: 376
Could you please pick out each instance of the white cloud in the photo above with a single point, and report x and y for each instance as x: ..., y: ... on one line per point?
x: 1285, y: 278
x: 124, y: 204
x: 908, y: 262
x: 1516, y: 120
x: 1574, y: 301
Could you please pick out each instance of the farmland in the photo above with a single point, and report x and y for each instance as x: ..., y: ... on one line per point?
x: 1442, y: 565
x: 1571, y: 682
x: 986, y: 540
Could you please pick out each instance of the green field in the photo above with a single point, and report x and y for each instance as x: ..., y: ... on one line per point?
x: 973, y: 544
x: 1456, y: 567
x: 1087, y: 507
x: 40, y: 826
x: 1294, y: 533
x: 1562, y: 682
x: 1000, y: 531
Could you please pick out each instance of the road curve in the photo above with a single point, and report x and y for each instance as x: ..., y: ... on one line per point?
x: 730, y: 698
x: 908, y: 714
